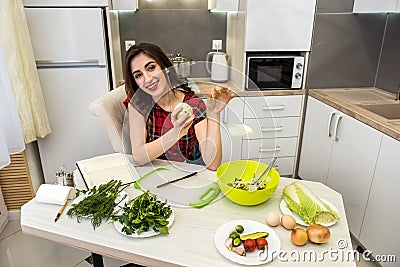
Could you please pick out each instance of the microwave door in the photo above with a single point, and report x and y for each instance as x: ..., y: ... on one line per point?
x: 270, y: 73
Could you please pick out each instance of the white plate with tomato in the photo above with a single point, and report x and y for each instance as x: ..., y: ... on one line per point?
x: 254, y: 255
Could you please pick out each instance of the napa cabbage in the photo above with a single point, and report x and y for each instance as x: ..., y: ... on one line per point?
x: 300, y: 199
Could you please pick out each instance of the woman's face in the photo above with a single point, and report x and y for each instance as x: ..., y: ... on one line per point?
x: 148, y: 75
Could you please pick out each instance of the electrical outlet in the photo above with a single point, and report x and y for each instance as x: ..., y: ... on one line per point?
x: 217, y: 44
x: 129, y: 43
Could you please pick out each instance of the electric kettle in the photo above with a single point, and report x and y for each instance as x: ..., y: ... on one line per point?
x: 219, y: 66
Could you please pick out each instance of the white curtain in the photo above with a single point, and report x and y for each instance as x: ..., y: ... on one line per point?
x: 17, y: 47
x: 11, y: 137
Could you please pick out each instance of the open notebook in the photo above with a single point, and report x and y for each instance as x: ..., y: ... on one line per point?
x: 102, y: 169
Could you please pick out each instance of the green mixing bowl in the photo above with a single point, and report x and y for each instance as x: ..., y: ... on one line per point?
x: 246, y: 170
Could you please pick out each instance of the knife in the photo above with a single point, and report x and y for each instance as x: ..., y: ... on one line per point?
x: 176, y: 180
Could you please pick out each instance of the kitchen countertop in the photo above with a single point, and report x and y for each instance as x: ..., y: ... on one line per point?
x: 347, y: 100
x: 206, y: 85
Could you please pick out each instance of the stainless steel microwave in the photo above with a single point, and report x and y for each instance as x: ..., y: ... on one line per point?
x: 269, y: 72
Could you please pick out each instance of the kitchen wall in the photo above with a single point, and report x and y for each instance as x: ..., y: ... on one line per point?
x: 388, y: 77
x: 354, y: 50
x: 183, y: 26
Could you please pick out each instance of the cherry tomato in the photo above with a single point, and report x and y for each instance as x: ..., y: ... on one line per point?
x: 250, y: 245
x: 262, y: 243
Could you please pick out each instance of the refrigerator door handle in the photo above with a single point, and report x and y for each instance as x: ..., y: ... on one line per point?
x: 68, y: 63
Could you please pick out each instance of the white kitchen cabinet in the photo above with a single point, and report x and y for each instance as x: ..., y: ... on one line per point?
x: 275, y: 122
x: 284, y: 165
x: 279, y: 25
x: 373, y: 6
x: 273, y: 106
x: 223, y: 5
x: 231, y: 145
x: 317, y: 141
x: 342, y: 152
x: 273, y: 128
x: 382, y: 214
x: 3, y: 212
x: 354, y: 154
x: 269, y: 147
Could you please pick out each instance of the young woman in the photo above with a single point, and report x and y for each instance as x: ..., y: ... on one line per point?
x: 153, y: 91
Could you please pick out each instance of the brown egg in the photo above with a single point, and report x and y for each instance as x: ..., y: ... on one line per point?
x: 288, y: 221
x: 273, y: 218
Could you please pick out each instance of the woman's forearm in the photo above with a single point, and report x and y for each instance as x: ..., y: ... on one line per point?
x: 211, y: 146
x: 148, y: 152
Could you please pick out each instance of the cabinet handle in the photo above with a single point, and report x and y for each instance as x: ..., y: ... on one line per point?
x: 225, y: 119
x: 335, y: 133
x: 330, y: 123
x: 273, y: 129
x: 274, y: 149
x: 274, y: 107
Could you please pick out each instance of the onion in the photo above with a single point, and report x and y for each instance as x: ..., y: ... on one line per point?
x: 186, y: 108
x: 318, y: 233
x: 298, y: 236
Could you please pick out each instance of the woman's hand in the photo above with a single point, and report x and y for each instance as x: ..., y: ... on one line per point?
x: 218, y: 98
x: 183, y: 123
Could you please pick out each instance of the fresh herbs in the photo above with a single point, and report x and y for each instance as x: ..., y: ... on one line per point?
x: 99, y: 203
x: 143, y: 213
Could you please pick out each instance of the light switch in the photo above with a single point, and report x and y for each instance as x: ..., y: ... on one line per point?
x: 217, y: 44
x: 129, y: 43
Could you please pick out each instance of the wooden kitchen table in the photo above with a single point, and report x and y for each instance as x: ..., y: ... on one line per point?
x: 191, y: 238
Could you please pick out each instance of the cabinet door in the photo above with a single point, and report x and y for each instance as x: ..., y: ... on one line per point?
x: 354, y: 154
x: 373, y: 6
x: 382, y: 214
x: 279, y: 25
x: 284, y: 165
x: 317, y: 141
x: 273, y: 127
x: 273, y: 106
x: 231, y: 145
x: 265, y: 148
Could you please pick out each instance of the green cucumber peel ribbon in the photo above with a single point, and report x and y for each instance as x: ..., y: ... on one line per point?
x: 136, y: 183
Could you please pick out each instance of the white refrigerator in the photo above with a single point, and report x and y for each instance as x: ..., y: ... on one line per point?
x: 71, y: 53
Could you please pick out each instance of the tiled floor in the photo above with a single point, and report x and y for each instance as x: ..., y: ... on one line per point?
x: 21, y: 250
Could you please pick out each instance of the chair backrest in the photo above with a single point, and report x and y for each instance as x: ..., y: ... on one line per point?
x: 113, y: 115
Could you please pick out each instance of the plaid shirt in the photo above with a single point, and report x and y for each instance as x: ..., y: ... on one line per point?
x: 159, y: 122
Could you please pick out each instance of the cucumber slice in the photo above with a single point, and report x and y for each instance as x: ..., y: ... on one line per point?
x: 254, y: 236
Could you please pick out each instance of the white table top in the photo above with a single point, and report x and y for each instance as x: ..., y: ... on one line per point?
x: 191, y: 238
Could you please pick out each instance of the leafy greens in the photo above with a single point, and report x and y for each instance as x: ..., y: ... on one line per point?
x: 305, y: 203
x: 143, y: 213
x: 99, y: 203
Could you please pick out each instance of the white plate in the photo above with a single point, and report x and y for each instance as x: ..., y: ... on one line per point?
x: 251, y: 258
x: 150, y: 233
x: 299, y: 220
x: 119, y: 197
